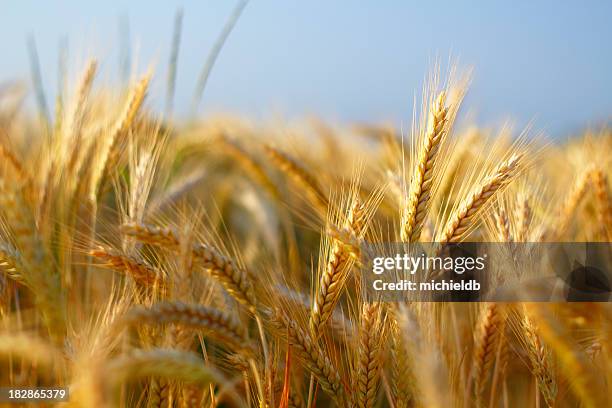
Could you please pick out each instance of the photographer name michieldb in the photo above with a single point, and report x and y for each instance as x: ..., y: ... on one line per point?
x: 411, y: 264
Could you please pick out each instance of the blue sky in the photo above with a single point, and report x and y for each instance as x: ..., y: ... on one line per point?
x: 546, y: 62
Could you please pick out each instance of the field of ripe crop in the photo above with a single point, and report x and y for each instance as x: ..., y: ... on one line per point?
x: 153, y: 262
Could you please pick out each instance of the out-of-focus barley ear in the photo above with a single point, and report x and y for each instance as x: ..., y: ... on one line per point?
x: 463, y: 219
x: 216, y: 323
x: 73, y: 139
x: 82, y: 93
x: 422, y: 184
x: 302, y: 178
x: 254, y: 169
x: 602, y: 193
x: 36, y: 273
x: 13, y: 163
x: 234, y: 279
x: 167, y: 364
x: 30, y: 348
x: 523, y: 216
x: 369, y: 354
x: 109, y: 148
x: 430, y: 371
x: 503, y: 225
x: 568, y: 211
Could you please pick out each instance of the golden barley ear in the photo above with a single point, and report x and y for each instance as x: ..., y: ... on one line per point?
x: 336, y: 270
x: 422, y: 183
x: 369, y: 354
x: 568, y: 210
x: 463, y: 218
x: 602, y: 193
x: 490, y: 324
x: 313, y: 357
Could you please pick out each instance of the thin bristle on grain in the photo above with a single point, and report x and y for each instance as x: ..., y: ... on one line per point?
x: 462, y: 220
x: 141, y: 272
x: 421, y: 185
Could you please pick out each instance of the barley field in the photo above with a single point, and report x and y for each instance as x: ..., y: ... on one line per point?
x: 147, y: 261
